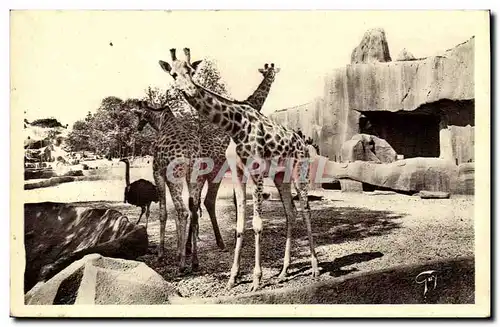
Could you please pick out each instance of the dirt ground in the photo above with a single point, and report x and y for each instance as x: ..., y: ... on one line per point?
x: 354, y: 234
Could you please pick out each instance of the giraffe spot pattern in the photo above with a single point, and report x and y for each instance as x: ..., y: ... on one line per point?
x: 217, y: 118
x: 238, y: 117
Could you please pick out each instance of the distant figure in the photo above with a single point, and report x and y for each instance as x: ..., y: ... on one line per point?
x: 140, y: 193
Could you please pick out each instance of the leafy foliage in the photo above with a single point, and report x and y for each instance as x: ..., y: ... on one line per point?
x: 112, y: 130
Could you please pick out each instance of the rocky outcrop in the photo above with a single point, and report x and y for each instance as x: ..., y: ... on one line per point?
x: 53, y: 181
x: 404, y: 55
x: 439, y: 85
x: 95, y: 279
x: 57, y: 234
x: 373, y: 48
x: 406, y: 85
x: 366, y: 147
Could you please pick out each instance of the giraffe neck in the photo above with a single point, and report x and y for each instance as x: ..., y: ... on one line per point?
x: 259, y: 96
x: 155, y: 119
x: 220, y: 111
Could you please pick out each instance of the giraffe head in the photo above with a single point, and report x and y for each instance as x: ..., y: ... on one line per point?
x: 138, y: 107
x: 269, y: 71
x: 182, y: 71
x: 145, y: 113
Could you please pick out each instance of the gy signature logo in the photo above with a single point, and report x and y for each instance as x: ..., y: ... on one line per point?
x: 429, y: 279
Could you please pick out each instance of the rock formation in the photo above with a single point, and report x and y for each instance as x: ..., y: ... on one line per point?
x: 405, y: 55
x: 366, y: 147
x: 56, y: 234
x: 373, y: 48
x: 409, y: 175
x: 437, y: 90
x: 95, y: 279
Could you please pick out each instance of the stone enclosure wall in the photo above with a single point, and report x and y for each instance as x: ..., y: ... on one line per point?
x: 422, y: 107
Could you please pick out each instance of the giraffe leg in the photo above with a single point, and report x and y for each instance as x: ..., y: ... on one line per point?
x: 148, y: 212
x: 302, y: 189
x: 257, y: 228
x: 143, y: 209
x: 180, y: 222
x: 284, y: 190
x: 194, y: 203
x: 210, y: 199
x: 160, y: 184
x: 240, y: 195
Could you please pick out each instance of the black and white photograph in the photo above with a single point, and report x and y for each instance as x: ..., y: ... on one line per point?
x: 276, y: 158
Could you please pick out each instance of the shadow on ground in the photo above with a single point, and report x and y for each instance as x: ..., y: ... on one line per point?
x: 331, y: 225
x: 455, y: 285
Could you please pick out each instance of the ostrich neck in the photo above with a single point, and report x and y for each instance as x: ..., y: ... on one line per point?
x: 127, y: 173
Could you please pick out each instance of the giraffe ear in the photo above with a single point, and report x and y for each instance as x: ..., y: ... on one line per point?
x: 165, y: 66
x: 262, y: 71
x: 277, y: 70
x: 196, y: 64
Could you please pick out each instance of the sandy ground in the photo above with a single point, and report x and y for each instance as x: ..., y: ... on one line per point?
x: 354, y: 234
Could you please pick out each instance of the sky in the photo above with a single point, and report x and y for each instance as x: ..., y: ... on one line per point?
x: 62, y: 63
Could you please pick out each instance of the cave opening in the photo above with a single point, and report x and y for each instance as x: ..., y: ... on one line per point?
x: 419, y: 133
x: 412, y: 135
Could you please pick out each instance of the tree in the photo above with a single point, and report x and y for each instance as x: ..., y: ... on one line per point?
x: 79, y: 137
x: 47, y: 122
x: 112, y: 130
x: 208, y: 75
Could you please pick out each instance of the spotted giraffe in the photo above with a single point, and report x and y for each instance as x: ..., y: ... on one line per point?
x: 258, y: 140
x: 213, y: 143
x: 147, y: 116
x: 176, y: 150
x: 259, y: 96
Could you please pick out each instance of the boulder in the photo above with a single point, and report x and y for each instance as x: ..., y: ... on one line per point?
x: 404, y: 55
x: 57, y: 234
x: 73, y: 173
x: 367, y: 147
x: 38, y: 173
x: 350, y: 186
x: 373, y: 48
x: 409, y: 175
x: 353, y: 150
x: 95, y: 279
x: 465, y: 184
x: 433, y: 195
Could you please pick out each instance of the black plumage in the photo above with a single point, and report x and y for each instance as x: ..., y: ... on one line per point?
x: 139, y: 193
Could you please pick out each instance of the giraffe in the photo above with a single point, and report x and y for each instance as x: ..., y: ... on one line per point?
x: 259, y: 96
x: 148, y: 116
x: 258, y: 140
x: 173, y: 163
x: 213, y: 144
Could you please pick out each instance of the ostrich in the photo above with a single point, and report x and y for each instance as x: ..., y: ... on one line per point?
x: 140, y: 193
